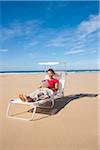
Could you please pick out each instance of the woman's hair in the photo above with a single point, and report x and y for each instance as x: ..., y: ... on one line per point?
x: 51, y: 71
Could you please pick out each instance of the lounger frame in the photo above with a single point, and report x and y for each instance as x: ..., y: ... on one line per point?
x: 33, y: 105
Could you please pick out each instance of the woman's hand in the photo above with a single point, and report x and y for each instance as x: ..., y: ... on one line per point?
x: 56, y: 86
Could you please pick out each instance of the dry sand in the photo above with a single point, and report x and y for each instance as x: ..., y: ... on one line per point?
x: 72, y: 126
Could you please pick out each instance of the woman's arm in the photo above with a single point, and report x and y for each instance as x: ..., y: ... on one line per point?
x: 56, y: 87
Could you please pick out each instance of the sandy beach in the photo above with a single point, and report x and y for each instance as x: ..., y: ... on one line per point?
x: 73, y: 125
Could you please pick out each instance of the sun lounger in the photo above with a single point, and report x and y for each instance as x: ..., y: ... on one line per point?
x: 36, y: 104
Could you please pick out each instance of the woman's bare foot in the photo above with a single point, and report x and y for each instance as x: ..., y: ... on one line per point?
x: 23, y: 98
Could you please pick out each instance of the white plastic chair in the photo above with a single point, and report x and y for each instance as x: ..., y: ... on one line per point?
x: 35, y: 105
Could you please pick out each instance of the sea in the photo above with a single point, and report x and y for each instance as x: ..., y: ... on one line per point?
x: 42, y: 71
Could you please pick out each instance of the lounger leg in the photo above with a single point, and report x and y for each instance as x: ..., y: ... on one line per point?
x: 11, y: 116
x: 34, y: 111
x: 8, y: 109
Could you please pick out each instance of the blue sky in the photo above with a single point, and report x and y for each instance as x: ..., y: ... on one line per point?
x: 32, y: 32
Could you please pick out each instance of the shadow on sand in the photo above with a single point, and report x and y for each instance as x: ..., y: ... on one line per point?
x: 62, y: 102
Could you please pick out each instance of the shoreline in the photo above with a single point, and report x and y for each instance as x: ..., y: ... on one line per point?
x: 37, y: 73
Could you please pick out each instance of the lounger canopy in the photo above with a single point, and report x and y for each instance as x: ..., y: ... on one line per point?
x: 53, y: 64
x: 49, y: 63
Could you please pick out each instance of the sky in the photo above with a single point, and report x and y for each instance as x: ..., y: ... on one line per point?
x: 45, y: 31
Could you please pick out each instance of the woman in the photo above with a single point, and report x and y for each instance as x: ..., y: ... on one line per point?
x: 50, y: 83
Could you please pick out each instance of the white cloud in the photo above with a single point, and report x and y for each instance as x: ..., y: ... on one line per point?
x: 81, y: 39
x: 59, y: 39
x: 92, y: 64
x: 34, y: 54
x: 18, y: 29
x: 14, y: 67
x: 31, y: 44
x: 74, y: 52
x: 90, y: 26
x: 3, y: 50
